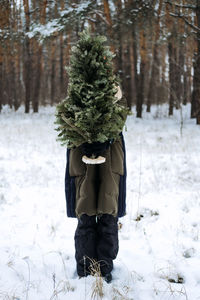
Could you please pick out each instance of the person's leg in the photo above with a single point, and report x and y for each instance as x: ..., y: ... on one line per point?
x: 85, y: 235
x: 85, y: 244
x: 107, y: 242
x: 107, y: 208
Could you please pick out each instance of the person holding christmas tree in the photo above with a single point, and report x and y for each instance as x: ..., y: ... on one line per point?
x: 90, y: 122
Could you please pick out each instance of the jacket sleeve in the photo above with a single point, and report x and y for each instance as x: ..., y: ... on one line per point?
x: 122, y: 185
x: 70, y: 189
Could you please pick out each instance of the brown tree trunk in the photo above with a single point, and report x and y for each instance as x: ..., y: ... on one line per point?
x: 109, y: 23
x: 1, y: 79
x: 181, y: 72
x: 197, y: 69
x: 39, y: 61
x: 140, y: 95
x: 135, y: 53
x: 53, y: 70
x: 195, y: 89
x: 67, y: 57
x: 1, y: 71
x: 5, y: 54
x: 62, y: 59
x: 154, y: 81
x: 172, y: 69
x: 27, y: 61
x: 187, y: 81
x: 132, y: 71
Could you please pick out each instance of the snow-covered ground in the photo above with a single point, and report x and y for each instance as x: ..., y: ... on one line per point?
x: 159, y: 255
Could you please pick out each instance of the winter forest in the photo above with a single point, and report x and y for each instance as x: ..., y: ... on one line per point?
x: 156, y: 47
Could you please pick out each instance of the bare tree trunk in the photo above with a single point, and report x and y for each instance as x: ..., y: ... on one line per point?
x: 197, y: 69
x: 27, y: 62
x: 39, y: 61
x: 187, y: 81
x: 195, y: 89
x: 132, y: 71
x: 1, y: 79
x: 181, y: 67
x: 154, y: 81
x: 53, y: 70
x: 62, y: 58
x: 109, y: 22
x: 172, y: 69
x: 1, y: 71
x: 140, y: 95
x: 135, y: 53
x: 4, y: 45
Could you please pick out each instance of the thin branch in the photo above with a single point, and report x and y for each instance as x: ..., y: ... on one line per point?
x: 99, y: 14
x: 186, y: 21
x: 67, y: 121
x: 32, y: 11
x: 181, y: 5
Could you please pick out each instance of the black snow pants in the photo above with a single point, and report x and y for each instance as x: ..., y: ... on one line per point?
x: 96, y: 240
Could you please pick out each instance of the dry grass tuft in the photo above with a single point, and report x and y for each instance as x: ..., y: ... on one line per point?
x: 97, y: 288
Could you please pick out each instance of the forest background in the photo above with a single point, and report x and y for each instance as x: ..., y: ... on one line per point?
x: 156, y: 42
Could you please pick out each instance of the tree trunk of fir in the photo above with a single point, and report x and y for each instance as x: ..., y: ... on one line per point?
x: 140, y: 96
x: 27, y: 62
x: 5, y: 50
x: 135, y: 59
x: 1, y: 69
x: 185, y: 88
x: 118, y: 58
x: 154, y: 81
x: 180, y: 65
x: 195, y: 89
x: 14, y: 67
x: 180, y: 73
x: 197, y: 70
x: 172, y: 78
x: 187, y: 83
x: 39, y: 61
x: 109, y: 23
x: 132, y: 71
x: 62, y: 63
x: 128, y: 60
x: 14, y: 89
x: 61, y: 66
x: 1, y: 78
x: 53, y: 70
x: 170, y: 24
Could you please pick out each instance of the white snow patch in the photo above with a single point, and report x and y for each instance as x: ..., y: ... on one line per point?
x: 159, y: 238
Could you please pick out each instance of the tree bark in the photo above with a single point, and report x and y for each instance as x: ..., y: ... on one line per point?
x: 172, y: 69
x: 197, y: 69
x: 109, y: 23
x: 195, y: 89
x: 27, y: 62
x: 39, y: 61
x: 53, y: 70
x: 154, y: 81
x: 140, y: 95
x: 4, y: 49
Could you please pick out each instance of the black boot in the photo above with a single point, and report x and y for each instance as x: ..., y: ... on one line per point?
x: 85, y: 244
x: 107, y: 243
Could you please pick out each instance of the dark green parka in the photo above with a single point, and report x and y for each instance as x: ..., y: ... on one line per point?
x: 96, y: 189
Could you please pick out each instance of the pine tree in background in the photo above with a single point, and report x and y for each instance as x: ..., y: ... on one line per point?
x: 91, y: 112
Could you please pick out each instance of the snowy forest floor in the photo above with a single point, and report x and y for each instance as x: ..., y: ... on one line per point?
x: 159, y: 256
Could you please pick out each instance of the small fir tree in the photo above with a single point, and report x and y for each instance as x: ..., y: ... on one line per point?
x: 91, y: 112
